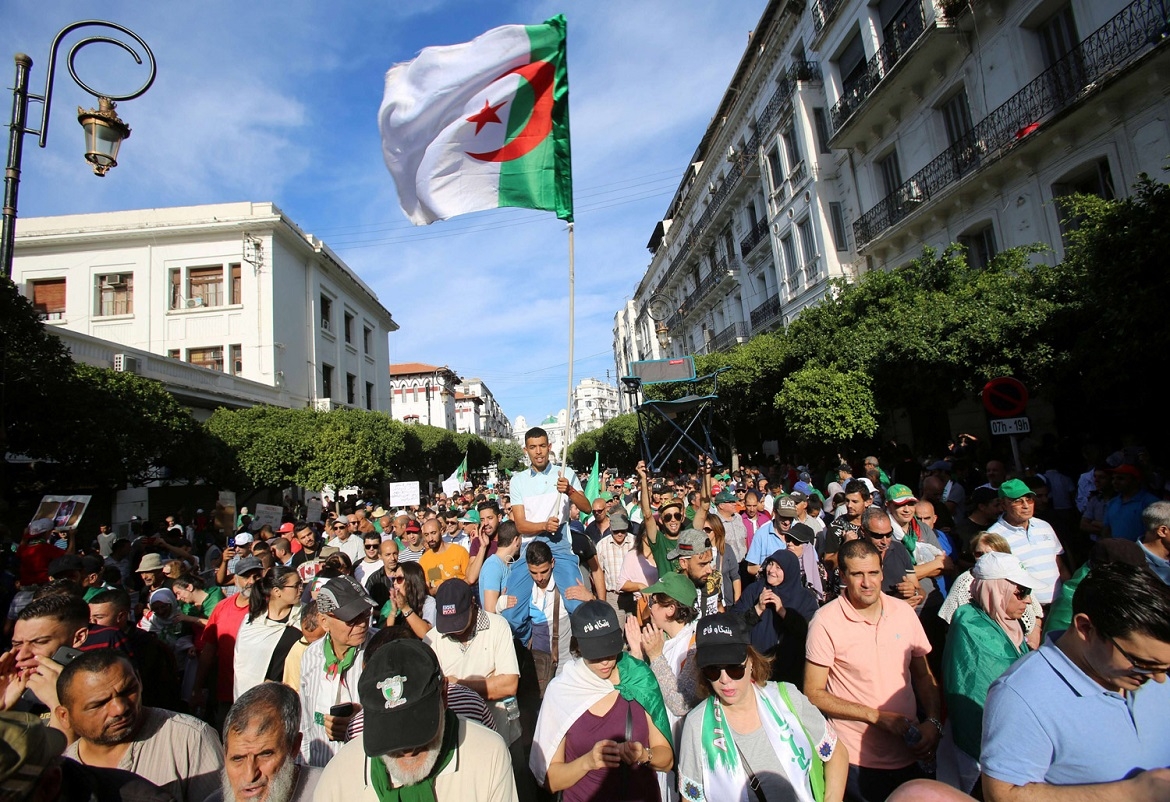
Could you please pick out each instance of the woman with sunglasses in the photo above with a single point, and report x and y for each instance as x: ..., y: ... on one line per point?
x: 777, y: 608
x: 960, y: 592
x: 409, y: 602
x: 984, y: 639
x: 269, y: 630
x: 753, y: 740
x: 603, y: 731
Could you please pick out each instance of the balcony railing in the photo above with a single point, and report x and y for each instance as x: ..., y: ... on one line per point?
x: 765, y: 313
x: 781, y: 98
x: 900, y: 36
x: 755, y: 237
x: 823, y: 11
x: 709, y: 282
x: 798, y: 174
x: 728, y: 337
x: 1139, y: 27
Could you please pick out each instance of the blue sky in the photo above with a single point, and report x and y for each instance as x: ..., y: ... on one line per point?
x: 278, y: 101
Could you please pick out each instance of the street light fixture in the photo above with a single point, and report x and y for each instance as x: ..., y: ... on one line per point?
x: 104, y: 131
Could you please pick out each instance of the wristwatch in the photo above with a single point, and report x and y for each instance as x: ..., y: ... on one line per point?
x: 407, y: 613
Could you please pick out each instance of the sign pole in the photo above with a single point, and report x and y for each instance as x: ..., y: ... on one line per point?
x: 1016, y: 454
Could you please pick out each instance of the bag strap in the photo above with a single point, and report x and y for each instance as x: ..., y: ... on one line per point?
x: 555, y: 645
x: 753, y: 780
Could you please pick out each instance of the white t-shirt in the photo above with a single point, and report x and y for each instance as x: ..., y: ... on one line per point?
x: 363, y: 570
x: 255, y: 643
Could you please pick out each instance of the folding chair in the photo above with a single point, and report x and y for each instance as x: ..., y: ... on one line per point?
x: 688, y: 419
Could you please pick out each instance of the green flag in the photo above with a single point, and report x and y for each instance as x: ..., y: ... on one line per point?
x: 593, y: 486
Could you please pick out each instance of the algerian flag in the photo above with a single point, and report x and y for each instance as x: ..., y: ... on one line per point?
x: 481, y: 125
x: 593, y: 486
x: 454, y: 482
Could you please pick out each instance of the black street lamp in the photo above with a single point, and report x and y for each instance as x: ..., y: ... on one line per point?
x: 104, y: 131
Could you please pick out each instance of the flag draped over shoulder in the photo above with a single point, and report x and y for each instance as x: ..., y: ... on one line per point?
x: 481, y: 125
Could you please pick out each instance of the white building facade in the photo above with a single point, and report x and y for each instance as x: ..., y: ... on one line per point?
x: 493, y: 424
x: 424, y: 394
x: 236, y: 288
x: 757, y: 228
x: 966, y: 122
x: 594, y: 404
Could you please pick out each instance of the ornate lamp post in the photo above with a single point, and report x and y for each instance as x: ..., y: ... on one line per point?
x: 104, y: 131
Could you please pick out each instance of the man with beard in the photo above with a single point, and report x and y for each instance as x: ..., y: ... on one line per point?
x: 99, y: 694
x: 412, y: 746
x: 489, y: 522
x: 261, y: 739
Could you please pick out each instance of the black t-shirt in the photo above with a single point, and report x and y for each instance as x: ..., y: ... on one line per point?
x: 835, y: 534
x: 583, y: 547
x: 894, y: 567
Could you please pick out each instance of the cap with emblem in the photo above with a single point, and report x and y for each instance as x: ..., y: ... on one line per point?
x: 343, y: 598
x: 596, y: 628
x: 690, y: 543
x: 400, y: 690
x: 899, y: 495
x: 785, y: 507
x: 721, y: 639
x: 453, y: 606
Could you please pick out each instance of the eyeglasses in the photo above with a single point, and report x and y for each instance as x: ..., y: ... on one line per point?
x: 1134, y: 662
x: 1022, y: 593
x: 297, y: 586
x: 734, y: 672
x: 672, y: 516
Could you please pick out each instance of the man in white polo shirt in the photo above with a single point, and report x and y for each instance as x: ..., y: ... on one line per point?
x: 1031, y: 539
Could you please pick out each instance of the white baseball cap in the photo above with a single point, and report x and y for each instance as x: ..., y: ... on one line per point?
x: 997, y: 565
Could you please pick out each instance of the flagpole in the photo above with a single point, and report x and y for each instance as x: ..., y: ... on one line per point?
x: 569, y: 402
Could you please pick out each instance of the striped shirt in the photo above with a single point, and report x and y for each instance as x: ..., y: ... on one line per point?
x: 612, y: 555
x: 1037, y: 547
x: 319, y: 693
x: 409, y: 555
x: 461, y: 700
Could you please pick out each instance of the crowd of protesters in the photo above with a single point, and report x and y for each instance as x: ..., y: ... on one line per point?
x: 930, y: 629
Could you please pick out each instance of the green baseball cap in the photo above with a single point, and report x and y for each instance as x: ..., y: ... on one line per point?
x: 1014, y: 489
x: 900, y: 494
x: 726, y: 497
x: 676, y: 586
x: 470, y: 517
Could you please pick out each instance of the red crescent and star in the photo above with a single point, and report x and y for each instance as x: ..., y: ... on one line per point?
x: 539, y: 74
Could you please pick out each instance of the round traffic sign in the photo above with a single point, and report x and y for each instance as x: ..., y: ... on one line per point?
x: 1005, y: 397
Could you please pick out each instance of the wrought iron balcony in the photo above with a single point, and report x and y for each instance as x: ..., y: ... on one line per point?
x: 728, y: 337
x: 708, y: 283
x: 765, y: 313
x: 757, y: 235
x: 778, y: 103
x: 1139, y: 27
x: 901, y: 35
x: 823, y: 11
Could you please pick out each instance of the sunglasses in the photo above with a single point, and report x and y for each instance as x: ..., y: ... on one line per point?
x: 1135, y: 663
x: 878, y: 535
x: 371, y: 546
x: 339, y: 526
x: 708, y: 530
x: 399, y: 579
x: 1022, y: 592
x: 734, y: 672
x: 672, y: 516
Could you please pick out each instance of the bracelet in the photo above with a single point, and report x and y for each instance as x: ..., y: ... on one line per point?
x: 937, y: 724
x: 649, y: 754
x: 407, y: 613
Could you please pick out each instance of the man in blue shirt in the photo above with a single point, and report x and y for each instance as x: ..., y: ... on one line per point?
x: 1078, y: 718
x: 1156, y: 541
x: 540, y: 508
x: 1123, y: 513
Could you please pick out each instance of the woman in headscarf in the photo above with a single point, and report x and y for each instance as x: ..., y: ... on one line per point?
x: 777, y: 609
x: 607, y: 734
x: 960, y: 592
x: 984, y: 639
x: 753, y: 739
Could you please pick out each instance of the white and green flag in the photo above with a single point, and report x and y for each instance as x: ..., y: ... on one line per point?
x: 454, y: 482
x: 481, y: 125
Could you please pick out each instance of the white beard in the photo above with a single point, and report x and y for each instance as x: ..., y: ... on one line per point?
x: 280, y: 788
x: 416, y: 774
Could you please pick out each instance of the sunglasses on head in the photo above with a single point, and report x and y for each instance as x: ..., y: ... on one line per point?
x: 734, y: 671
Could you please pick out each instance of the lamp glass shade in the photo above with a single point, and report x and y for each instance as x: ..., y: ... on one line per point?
x: 101, y: 143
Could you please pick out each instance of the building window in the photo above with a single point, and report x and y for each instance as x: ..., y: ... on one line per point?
x: 369, y: 395
x: 350, y: 388
x: 48, y: 297
x: 837, y: 221
x: 205, y: 286
x: 821, y: 127
x: 173, y: 353
x: 1058, y: 35
x: 851, y: 63
x: 980, y: 245
x: 792, y: 147
x: 790, y: 265
x: 211, y: 358
x: 775, y: 168
x: 326, y: 313
x: 237, y: 297
x: 956, y: 114
x: 367, y: 339
x: 890, y: 172
x: 1094, y: 178
x: 115, y: 294
x: 348, y: 330
x: 326, y: 381
x: 808, y: 246
x: 236, y: 354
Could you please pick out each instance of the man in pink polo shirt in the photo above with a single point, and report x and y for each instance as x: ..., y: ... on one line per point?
x: 866, y: 670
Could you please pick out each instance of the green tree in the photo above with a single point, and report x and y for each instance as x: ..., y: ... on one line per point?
x: 508, y: 455
x: 826, y: 407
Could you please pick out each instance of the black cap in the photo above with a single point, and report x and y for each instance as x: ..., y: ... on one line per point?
x: 400, y: 691
x: 64, y: 564
x: 801, y: 533
x: 452, y: 606
x: 596, y: 628
x: 720, y: 640
x: 982, y: 495
x: 91, y: 564
x: 343, y: 598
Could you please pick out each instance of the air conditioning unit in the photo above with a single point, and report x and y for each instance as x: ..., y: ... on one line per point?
x: 113, y: 282
x: 194, y: 303
x: 323, y: 404
x: 125, y: 363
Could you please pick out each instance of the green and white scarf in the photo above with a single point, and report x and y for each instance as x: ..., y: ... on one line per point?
x: 724, y: 775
